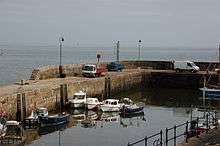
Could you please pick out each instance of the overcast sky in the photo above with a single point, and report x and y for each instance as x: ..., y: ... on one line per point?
x: 191, y: 23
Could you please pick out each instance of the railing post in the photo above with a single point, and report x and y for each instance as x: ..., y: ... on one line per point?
x: 166, y: 140
x: 128, y: 144
x: 215, y: 120
x: 187, y: 123
x: 161, y: 138
x: 174, y: 140
x: 197, y: 126
x: 145, y: 140
x: 207, y: 123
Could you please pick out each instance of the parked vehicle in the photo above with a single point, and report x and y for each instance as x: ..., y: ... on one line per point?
x: 92, y: 70
x: 92, y: 103
x: 110, y: 105
x: 78, y: 100
x: 115, y: 66
x: 180, y: 66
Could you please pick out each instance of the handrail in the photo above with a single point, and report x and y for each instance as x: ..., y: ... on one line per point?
x: 193, y: 130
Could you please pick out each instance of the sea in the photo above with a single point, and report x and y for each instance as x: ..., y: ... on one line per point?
x: 18, y: 61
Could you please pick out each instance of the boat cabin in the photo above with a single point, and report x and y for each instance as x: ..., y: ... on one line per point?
x: 79, y: 95
x: 41, y: 111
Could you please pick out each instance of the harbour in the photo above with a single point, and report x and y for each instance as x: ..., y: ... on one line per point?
x: 157, y: 87
x: 116, y: 130
x: 109, y: 73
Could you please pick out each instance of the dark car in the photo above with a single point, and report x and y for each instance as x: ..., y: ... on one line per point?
x: 115, y: 66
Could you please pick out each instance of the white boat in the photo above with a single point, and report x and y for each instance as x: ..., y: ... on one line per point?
x: 3, y: 129
x: 110, y: 105
x: 78, y: 100
x: 92, y: 103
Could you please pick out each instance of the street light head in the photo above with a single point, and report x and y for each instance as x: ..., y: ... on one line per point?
x: 61, y: 39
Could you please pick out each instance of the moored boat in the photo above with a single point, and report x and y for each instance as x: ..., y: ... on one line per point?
x: 210, y: 92
x: 54, y: 120
x: 78, y: 100
x: 110, y: 105
x: 129, y: 107
x: 92, y: 103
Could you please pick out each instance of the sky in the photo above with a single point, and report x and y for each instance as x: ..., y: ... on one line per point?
x: 158, y: 23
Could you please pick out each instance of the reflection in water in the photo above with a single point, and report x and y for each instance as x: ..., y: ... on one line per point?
x: 50, y: 129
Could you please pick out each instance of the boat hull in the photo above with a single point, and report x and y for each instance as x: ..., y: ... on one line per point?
x: 109, y: 108
x: 92, y: 106
x: 211, y: 92
x: 53, y: 120
x: 77, y: 105
x: 130, y: 110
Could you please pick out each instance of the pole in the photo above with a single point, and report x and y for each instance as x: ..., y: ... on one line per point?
x: 61, y: 39
x: 219, y: 53
x: 139, y: 50
x: 117, y: 53
x: 203, y: 93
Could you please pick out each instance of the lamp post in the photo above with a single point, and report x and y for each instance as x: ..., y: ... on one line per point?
x: 61, y: 39
x: 219, y: 53
x: 117, y: 52
x: 139, y: 50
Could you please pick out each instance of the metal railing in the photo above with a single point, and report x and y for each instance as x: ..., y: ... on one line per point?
x: 185, y: 130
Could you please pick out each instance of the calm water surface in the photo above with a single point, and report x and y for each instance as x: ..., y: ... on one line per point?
x: 163, y: 109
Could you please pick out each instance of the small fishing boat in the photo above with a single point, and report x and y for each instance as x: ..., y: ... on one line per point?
x: 110, y: 105
x: 53, y: 120
x: 92, y: 103
x: 129, y: 107
x: 40, y: 116
x: 78, y: 100
x: 210, y: 92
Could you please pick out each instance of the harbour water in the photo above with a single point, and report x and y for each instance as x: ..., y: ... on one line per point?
x: 18, y: 61
x: 163, y: 109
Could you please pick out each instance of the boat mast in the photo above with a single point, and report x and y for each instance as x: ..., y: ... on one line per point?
x: 203, y: 92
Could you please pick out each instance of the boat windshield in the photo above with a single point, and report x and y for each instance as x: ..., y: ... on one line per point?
x: 114, y: 103
x: 41, y: 111
x: 88, y: 68
x: 79, y: 96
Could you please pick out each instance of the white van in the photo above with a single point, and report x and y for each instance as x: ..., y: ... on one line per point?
x: 185, y: 66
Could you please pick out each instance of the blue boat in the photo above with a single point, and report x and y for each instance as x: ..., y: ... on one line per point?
x: 210, y: 92
x: 131, y: 109
x: 53, y: 120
